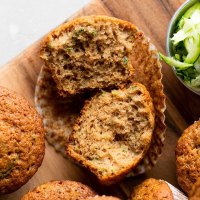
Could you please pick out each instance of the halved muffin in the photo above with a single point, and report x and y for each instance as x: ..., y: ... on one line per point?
x: 113, y: 132
x: 88, y: 53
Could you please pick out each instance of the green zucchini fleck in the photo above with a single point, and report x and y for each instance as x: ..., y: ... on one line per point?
x: 80, y: 31
x: 5, y: 173
x: 11, y: 165
x: 125, y: 60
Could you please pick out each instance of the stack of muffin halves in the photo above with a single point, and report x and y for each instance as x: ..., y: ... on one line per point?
x: 102, y: 81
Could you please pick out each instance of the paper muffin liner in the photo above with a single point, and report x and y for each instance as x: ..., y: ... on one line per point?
x: 145, y: 60
x: 178, y: 195
x: 60, y: 113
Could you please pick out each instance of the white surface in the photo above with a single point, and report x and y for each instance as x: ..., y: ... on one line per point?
x: 23, y: 22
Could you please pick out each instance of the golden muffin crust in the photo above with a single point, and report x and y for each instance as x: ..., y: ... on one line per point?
x: 187, y: 157
x: 103, y: 198
x: 60, y: 190
x: 152, y: 189
x: 195, y: 192
x: 22, y: 144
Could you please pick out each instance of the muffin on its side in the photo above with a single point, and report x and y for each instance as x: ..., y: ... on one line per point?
x: 195, y: 192
x: 113, y: 132
x: 88, y: 53
x: 152, y: 189
x: 187, y: 157
x: 22, y: 144
x: 65, y: 190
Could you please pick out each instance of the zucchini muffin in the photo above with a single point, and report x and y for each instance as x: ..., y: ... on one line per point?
x: 147, y: 70
x: 152, y: 189
x: 22, y: 144
x: 113, y: 132
x: 63, y: 190
x: 90, y: 53
x: 188, y: 157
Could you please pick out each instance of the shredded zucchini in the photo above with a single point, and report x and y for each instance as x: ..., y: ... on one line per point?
x: 186, y: 47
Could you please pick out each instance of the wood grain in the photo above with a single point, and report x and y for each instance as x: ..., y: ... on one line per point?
x: 183, y: 106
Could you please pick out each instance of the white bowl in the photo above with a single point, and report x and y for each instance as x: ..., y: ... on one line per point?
x: 177, y: 15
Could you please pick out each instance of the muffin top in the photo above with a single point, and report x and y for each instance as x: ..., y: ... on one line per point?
x: 152, y: 189
x: 187, y: 157
x: 22, y: 144
x: 62, y: 190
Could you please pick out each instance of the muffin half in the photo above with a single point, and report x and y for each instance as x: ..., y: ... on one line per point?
x: 113, y: 132
x: 88, y: 53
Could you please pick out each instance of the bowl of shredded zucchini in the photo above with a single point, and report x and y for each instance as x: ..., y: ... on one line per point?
x: 183, y: 45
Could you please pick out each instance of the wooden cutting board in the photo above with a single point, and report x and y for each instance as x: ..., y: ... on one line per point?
x: 183, y: 107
